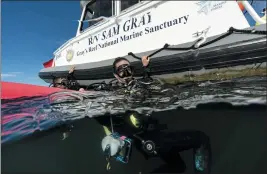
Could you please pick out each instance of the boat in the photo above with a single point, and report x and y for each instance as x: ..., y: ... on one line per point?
x: 179, y: 36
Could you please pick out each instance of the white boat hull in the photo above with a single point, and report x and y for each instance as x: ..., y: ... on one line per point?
x: 179, y: 23
x: 148, y: 26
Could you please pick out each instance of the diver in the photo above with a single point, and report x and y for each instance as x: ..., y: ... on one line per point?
x: 153, y: 139
x: 124, y: 81
x: 123, y: 71
x: 69, y: 82
x: 150, y: 138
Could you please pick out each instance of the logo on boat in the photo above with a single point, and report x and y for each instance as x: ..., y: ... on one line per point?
x: 70, y: 54
x: 207, y: 6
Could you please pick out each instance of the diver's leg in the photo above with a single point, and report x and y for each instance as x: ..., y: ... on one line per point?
x: 173, y: 162
x: 174, y: 142
x: 181, y: 140
x: 202, y: 155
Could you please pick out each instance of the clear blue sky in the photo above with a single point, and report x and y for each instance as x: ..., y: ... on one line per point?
x: 32, y: 31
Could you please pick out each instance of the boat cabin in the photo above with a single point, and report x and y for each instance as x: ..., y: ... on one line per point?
x: 95, y: 11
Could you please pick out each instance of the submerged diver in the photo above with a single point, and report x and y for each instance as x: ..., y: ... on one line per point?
x: 149, y: 137
x: 152, y: 139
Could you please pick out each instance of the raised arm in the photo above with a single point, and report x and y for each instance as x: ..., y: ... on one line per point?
x: 70, y: 76
x: 73, y: 84
x: 145, y: 62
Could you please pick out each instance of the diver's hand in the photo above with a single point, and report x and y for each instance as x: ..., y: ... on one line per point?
x: 65, y: 135
x: 81, y: 90
x: 145, y: 61
x: 72, y: 69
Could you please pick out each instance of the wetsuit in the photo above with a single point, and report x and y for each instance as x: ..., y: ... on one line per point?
x: 170, y: 143
x: 72, y: 83
x: 136, y: 88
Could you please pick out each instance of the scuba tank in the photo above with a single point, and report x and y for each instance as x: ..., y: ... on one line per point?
x: 117, y: 146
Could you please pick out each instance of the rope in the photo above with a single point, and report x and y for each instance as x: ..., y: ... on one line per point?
x: 192, y: 47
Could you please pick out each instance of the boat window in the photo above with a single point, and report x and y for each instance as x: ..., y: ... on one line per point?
x: 100, y: 8
x: 97, y: 10
x: 103, y: 8
x: 128, y: 3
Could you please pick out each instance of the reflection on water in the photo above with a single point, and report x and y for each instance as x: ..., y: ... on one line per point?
x: 21, y: 117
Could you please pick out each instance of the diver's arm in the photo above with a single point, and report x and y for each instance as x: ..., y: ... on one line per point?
x: 72, y: 81
x: 147, y: 70
x: 70, y: 76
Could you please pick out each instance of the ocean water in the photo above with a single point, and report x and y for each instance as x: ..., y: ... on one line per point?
x: 232, y: 113
x: 24, y: 116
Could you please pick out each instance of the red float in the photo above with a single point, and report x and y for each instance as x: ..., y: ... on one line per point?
x: 11, y: 90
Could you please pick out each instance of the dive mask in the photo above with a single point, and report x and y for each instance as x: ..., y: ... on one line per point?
x: 124, y: 70
x: 64, y: 83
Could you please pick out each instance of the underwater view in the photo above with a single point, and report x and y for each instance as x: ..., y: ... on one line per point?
x: 66, y: 126
x: 141, y: 87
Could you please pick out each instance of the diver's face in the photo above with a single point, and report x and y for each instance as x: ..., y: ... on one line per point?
x: 124, y: 71
x: 60, y: 83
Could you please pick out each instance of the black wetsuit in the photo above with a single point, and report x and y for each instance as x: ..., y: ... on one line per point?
x: 72, y: 83
x: 119, y: 88
x: 170, y: 143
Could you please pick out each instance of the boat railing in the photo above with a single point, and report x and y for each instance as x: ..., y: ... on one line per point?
x: 252, y: 12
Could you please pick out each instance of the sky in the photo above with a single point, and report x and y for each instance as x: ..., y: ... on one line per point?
x: 32, y: 31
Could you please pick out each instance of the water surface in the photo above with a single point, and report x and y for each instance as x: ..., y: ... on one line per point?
x: 24, y: 116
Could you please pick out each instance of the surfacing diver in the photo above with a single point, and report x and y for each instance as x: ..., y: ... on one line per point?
x: 68, y: 82
x: 121, y: 130
x: 123, y: 71
x: 124, y: 83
